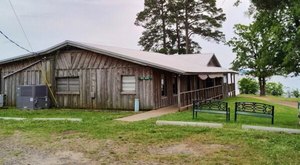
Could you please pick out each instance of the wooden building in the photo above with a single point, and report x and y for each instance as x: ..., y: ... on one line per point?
x: 82, y: 75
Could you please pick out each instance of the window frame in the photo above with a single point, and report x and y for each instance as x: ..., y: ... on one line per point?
x: 175, y: 85
x: 68, y: 91
x: 128, y: 92
x: 163, y: 86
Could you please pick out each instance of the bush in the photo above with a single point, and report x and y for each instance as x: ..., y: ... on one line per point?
x: 275, y: 89
x: 296, y: 93
x: 248, y: 86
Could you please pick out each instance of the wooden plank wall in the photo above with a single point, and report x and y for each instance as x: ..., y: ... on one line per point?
x: 99, y: 75
x: 159, y: 100
x: 29, y: 76
x: 100, y: 79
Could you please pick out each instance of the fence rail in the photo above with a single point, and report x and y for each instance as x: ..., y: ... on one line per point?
x: 187, y: 97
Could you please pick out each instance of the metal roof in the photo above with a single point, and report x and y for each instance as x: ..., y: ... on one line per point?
x: 181, y: 64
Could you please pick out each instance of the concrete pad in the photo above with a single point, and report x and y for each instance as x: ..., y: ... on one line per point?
x: 43, y: 119
x: 149, y: 114
x: 58, y: 119
x: 12, y: 118
x: 194, y: 124
x: 271, y: 129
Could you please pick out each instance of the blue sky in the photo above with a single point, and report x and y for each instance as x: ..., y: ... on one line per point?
x: 48, y: 22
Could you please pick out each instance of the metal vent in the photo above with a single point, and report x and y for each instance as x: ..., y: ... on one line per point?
x: 41, y: 91
x: 26, y: 91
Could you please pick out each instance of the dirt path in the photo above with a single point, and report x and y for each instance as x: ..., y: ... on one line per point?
x: 292, y: 104
x: 18, y: 149
x: 23, y: 149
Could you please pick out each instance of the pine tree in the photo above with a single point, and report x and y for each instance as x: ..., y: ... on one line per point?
x: 171, y: 24
x: 202, y: 18
x: 154, y: 19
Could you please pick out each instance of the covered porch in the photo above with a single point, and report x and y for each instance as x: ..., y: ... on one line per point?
x: 204, y: 86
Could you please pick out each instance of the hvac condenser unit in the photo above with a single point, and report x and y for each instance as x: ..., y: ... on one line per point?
x: 32, y: 97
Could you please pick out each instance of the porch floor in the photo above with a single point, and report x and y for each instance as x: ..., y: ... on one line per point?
x: 150, y: 114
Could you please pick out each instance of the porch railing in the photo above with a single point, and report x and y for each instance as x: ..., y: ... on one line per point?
x: 231, y: 89
x: 187, y: 97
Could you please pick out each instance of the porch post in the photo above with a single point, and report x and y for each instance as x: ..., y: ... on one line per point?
x: 214, y: 89
x: 227, y: 85
x: 178, y: 92
x: 223, y: 88
x: 234, y: 85
x: 231, y: 90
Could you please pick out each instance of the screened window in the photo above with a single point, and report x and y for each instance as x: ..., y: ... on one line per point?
x: 197, y: 82
x: 209, y: 82
x: 67, y: 84
x: 163, y: 85
x: 188, y: 83
x: 128, y: 84
x: 174, y: 82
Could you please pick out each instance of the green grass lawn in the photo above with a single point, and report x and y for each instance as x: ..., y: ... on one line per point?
x: 145, y: 141
x: 284, y: 116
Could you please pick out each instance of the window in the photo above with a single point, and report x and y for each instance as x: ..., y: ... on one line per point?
x: 163, y: 86
x: 209, y: 82
x: 174, y: 82
x: 67, y: 85
x: 218, y: 81
x: 197, y: 82
x: 128, y: 84
x: 188, y: 83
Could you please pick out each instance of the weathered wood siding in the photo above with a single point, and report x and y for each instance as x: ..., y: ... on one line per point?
x: 29, y: 76
x: 100, y: 79
x: 163, y: 101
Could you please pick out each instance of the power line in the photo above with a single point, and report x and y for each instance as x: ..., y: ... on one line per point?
x: 14, y: 42
x: 11, y: 5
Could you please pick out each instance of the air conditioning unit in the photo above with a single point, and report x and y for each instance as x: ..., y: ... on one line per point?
x: 32, y: 97
x: 2, y: 100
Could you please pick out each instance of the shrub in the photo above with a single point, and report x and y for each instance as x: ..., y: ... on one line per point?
x: 275, y: 89
x: 296, y: 93
x: 248, y: 86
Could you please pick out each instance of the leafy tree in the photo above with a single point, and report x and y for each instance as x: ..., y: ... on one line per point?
x: 248, y: 86
x: 171, y: 24
x: 255, y: 51
x: 286, y: 21
x: 275, y: 89
x: 296, y: 93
